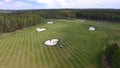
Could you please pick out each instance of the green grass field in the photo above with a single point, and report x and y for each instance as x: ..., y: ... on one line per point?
x: 81, y: 48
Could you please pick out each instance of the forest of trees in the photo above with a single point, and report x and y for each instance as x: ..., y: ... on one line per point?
x: 17, y: 19
x: 95, y: 14
x: 106, y: 15
x: 11, y: 22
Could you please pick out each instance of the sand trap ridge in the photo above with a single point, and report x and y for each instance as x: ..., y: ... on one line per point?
x: 51, y: 42
x: 91, y: 29
x: 40, y: 29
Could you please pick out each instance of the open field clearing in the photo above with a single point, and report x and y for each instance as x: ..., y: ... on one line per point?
x: 81, y: 48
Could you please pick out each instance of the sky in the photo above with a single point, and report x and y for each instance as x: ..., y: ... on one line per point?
x: 56, y: 4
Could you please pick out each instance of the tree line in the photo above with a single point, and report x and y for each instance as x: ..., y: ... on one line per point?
x: 96, y: 14
x: 13, y: 21
x: 106, y: 15
x: 18, y: 19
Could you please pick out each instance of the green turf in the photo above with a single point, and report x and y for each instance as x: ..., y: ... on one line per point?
x: 81, y: 48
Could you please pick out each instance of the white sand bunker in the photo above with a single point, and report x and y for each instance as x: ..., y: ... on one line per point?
x: 51, y: 22
x: 91, y: 29
x: 40, y: 29
x: 51, y: 42
x: 82, y: 20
